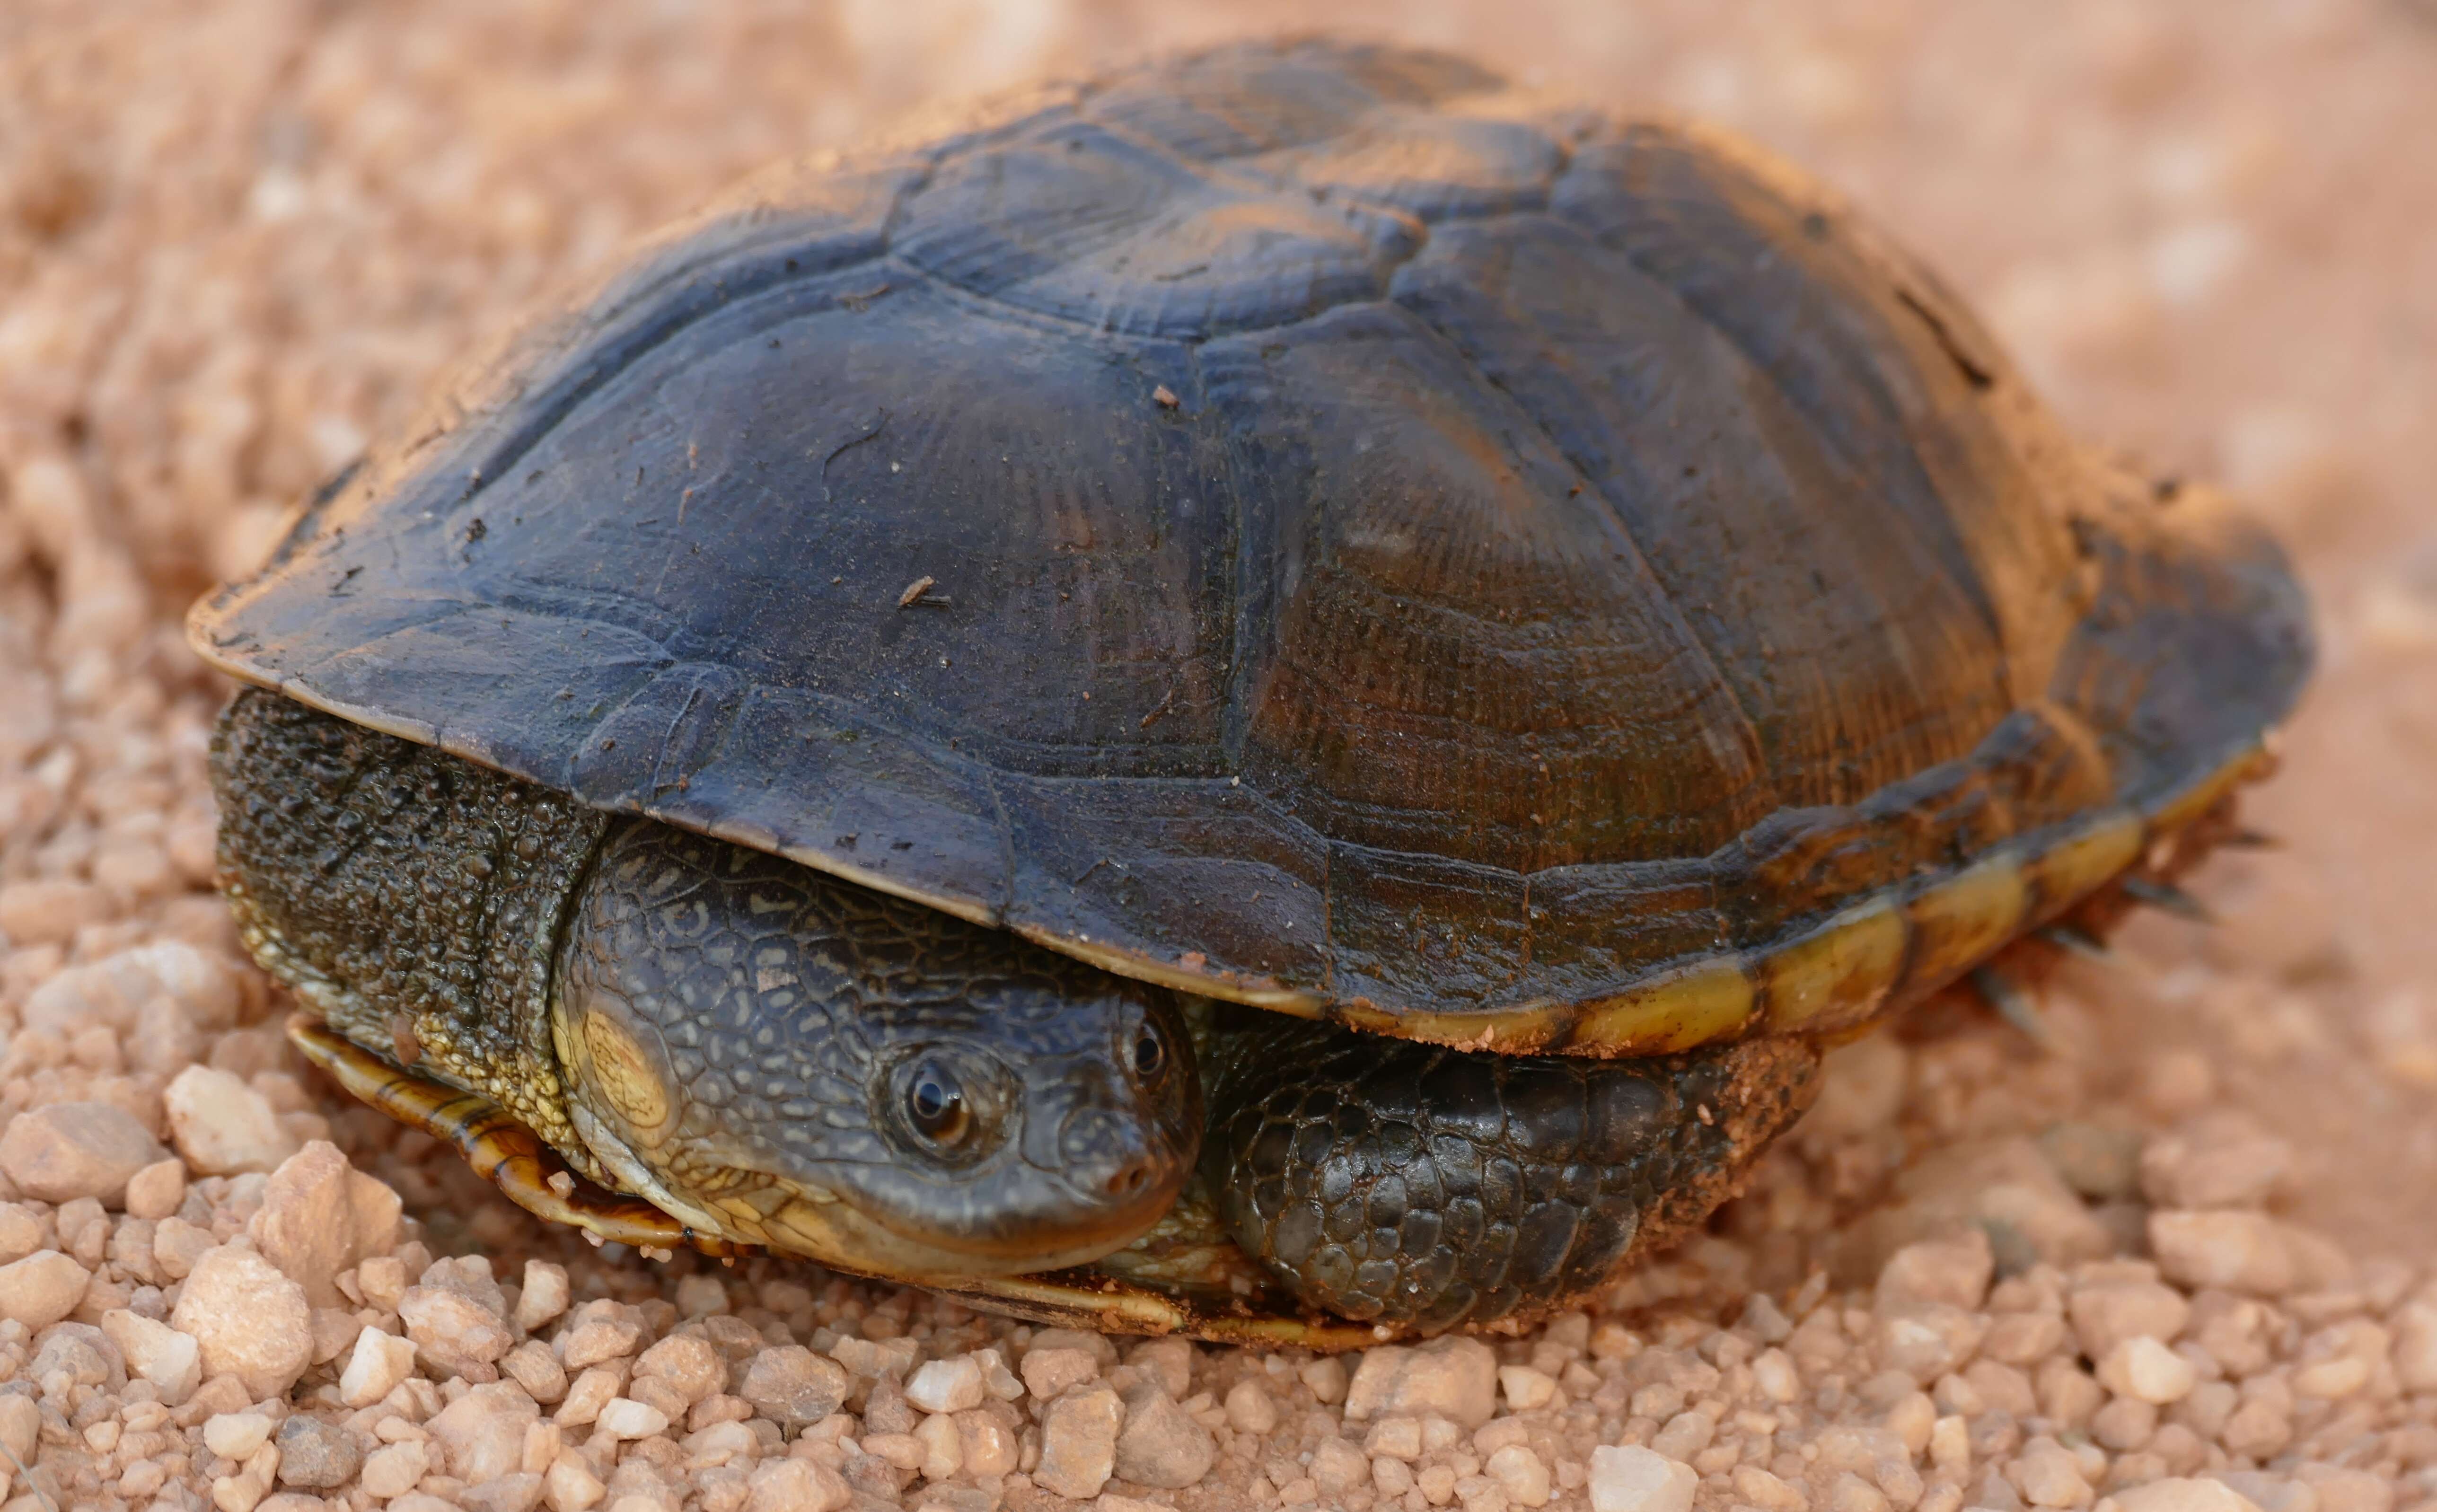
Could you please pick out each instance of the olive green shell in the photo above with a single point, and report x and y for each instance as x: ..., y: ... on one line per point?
x: 1495, y: 571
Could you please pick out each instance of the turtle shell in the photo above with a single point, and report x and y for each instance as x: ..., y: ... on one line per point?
x: 1312, y: 525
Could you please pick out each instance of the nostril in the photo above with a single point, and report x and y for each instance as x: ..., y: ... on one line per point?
x: 1131, y: 1180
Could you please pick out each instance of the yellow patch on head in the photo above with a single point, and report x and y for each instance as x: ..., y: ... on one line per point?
x: 624, y: 1074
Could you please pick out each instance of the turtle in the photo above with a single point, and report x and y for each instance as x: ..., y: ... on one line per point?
x: 1284, y: 693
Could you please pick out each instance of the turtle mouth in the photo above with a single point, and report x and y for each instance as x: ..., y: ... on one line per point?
x: 792, y: 1215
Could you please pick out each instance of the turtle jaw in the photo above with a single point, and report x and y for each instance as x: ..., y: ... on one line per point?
x: 790, y: 1214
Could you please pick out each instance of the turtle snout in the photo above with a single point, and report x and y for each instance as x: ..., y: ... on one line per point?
x: 1105, y: 1154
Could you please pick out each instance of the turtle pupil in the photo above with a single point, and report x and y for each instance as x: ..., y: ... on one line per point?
x: 936, y: 1104
x: 1149, y: 1054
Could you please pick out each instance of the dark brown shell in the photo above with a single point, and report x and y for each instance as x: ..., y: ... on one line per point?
x: 1488, y: 570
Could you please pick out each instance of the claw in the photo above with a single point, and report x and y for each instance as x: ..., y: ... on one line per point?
x: 2079, y: 941
x: 2012, y: 1004
x: 2166, y: 896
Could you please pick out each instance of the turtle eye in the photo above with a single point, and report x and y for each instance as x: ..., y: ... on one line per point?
x: 1150, y: 1053
x: 935, y: 1106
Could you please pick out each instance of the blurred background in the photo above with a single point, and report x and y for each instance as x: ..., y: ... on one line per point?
x: 236, y: 238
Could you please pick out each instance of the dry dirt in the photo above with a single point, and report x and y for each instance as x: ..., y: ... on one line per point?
x: 237, y: 238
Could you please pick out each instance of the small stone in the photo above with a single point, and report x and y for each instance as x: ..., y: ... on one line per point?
x: 572, y: 1488
x: 395, y: 1471
x: 1454, y: 1377
x: 532, y: 1366
x: 223, y: 1126
x: 42, y: 1288
x: 2341, y: 1490
x: 587, y: 1394
x: 1078, y: 1441
x: 1250, y: 1409
x: 989, y: 1446
x: 378, y: 1363
x: 172, y: 1362
x: 689, y: 1364
x: 1767, y: 1491
x: 1050, y: 1373
x: 21, y: 1232
x: 1522, y: 1474
x: 1526, y: 1389
x: 2338, y: 1361
x: 2221, y: 1160
x: 890, y: 1359
x: 797, y: 1485
x: 624, y: 1417
x: 1773, y: 1372
x: 1953, y: 1272
x: 316, y: 1455
x: 1325, y: 1377
x: 2100, y: 1163
x: 2047, y: 1474
x: 2022, y: 1337
x: 455, y: 1333
x: 1686, y: 1434
x: 306, y: 1226
x: 1930, y: 1339
x: 2416, y: 1345
x: 40, y: 913
x: 794, y: 1387
x: 72, y: 1150
x: 598, y: 1331
x: 950, y: 1385
x: 544, y: 1296
x: 2146, y: 1370
x: 1861, y: 1091
x: 481, y: 1434
x: 1169, y: 1361
x: 2124, y: 1424
x: 2180, y: 1495
x: 519, y: 1492
x: 235, y: 1435
x: 943, y: 1448
x: 1337, y: 1467
x: 1161, y: 1443
x: 252, y: 1322
x: 2112, y: 1303
x: 1950, y: 1445
x: 1633, y: 1479
x: 2234, y: 1249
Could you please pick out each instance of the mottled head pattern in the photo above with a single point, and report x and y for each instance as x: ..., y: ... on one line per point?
x: 795, y: 1060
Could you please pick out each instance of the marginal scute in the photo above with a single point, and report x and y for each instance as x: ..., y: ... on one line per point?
x: 1964, y: 917
x: 2209, y: 788
x: 1691, y: 1005
x: 2063, y: 873
x: 1838, y: 974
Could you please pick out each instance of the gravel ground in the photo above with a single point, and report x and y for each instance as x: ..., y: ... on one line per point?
x: 2177, y: 1264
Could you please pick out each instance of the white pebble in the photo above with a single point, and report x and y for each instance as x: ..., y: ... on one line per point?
x: 235, y: 1435
x: 946, y: 1385
x: 1773, y: 1372
x: 381, y: 1361
x: 626, y: 1417
x: 1522, y: 1473
x: 1633, y: 1479
x: 2146, y: 1370
x: 1526, y: 1388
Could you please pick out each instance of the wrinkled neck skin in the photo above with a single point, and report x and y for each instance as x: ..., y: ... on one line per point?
x: 726, y: 1033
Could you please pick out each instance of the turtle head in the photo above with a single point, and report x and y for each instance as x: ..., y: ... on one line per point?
x: 790, y: 1059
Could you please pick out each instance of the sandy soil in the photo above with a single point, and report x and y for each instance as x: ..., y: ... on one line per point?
x: 236, y: 239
